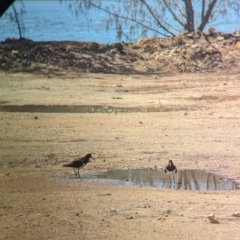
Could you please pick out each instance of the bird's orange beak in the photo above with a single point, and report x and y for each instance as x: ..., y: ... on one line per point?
x: 93, y: 158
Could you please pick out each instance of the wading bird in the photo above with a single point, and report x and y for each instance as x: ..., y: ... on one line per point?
x: 171, y: 170
x: 79, y: 163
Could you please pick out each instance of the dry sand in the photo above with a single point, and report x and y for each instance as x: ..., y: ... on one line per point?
x: 198, y: 126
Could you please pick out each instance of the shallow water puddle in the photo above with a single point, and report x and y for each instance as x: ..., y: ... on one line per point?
x: 76, y: 109
x: 184, y: 179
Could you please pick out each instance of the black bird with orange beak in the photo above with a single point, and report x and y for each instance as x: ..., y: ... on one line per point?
x: 79, y: 163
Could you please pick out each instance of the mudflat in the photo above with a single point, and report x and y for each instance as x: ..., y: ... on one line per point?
x: 193, y: 119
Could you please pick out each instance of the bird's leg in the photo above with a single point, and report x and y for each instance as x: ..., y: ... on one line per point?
x: 75, y: 173
x: 78, y: 173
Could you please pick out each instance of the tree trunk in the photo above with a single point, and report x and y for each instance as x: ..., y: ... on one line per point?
x: 190, y: 15
x: 207, y: 15
x: 17, y: 21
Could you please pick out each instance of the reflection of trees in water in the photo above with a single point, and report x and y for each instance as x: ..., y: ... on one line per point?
x: 186, y: 179
x: 197, y: 180
x: 214, y: 180
x: 201, y: 180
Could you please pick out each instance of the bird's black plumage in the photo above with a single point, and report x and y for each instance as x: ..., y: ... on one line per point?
x: 79, y: 163
x: 171, y: 167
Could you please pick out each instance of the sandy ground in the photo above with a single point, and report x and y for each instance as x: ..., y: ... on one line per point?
x: 197, y: 125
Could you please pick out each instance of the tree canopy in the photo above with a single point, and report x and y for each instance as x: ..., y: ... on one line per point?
x: 159, y: 17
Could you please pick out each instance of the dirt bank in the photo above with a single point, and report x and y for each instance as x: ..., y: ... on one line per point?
x: 187, y: 53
